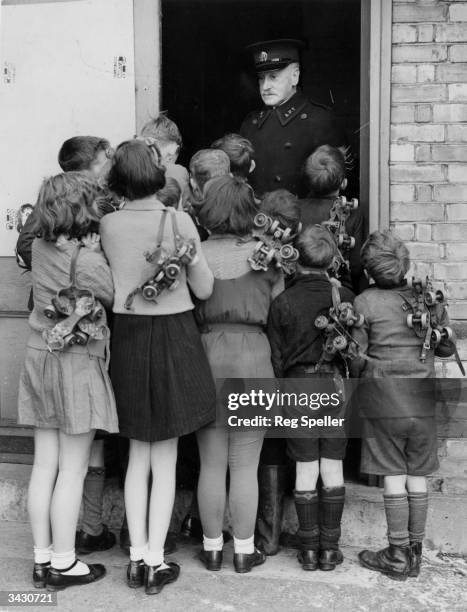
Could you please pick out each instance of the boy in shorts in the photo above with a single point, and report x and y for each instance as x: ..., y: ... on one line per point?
x: 296, y: 351
x: 397, y: 398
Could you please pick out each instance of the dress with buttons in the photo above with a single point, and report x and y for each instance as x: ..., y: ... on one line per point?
x: 283, y: 137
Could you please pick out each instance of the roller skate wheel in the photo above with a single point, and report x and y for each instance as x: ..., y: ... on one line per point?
x: 81, y: 338
x: 410, y: 320
x: 439, y: 296
x: 172, y: 270
x: 352, y: 242
x: 149, y: 292
x: 286, y: 251
x: 50, y: 312
x: 69, y: 340
x: 340, y: 240
x: 321, y: 322
x: 354, y: 203
x: 436, y: 337
x: 339, y: 343
x: 261, y: 220
x: 270, y: 256
x: 287, y: 233
x: 430, y: 298
x: 447, y: 333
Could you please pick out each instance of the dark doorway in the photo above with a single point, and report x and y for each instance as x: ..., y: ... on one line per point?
x: 208, y: 86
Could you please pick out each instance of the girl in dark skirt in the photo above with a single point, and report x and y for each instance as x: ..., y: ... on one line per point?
x: 161, y: 377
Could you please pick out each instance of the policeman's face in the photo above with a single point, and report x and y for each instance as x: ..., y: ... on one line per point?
x: 277, y: 86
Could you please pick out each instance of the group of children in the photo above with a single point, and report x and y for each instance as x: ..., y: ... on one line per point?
x: 170, y: 254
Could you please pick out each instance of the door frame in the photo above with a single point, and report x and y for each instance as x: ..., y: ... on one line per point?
x: 375, y: 94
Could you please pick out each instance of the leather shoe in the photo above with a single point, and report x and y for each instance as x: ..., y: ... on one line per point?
x: 40, y: 573
x: 393, y: 561
x: 308, y: 559
x: 328, y: 559
x: 244, y: 563
x: 416, y: 559
x: 86, y: 544
x: 156, y: 580
x: 135, y: 574
x: 57, y: 580
x: 212, y: 559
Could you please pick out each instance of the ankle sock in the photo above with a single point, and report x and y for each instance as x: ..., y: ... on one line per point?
x: 246, y: 546
x: 331, y: 506
x: 68, y: 564
x: 42, y: 555
x: 212, y: 544
x: 155, y: 558
x: 137, y: 552
x: 418, y: 508
x: 306, y: 506
x: 397, y: 517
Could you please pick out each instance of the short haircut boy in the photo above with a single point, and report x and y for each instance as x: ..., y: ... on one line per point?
x: 134, y: 173
x: 162, y: 129
x: 386, y: 259
x: 240, y: 152
x: 229, y: 206
x: 325, y: 170
x: 171, y: 193
x: 316, y: 247
x: 65, y: 206
x: 283, y: 206
x: 78, y: 153
x: 208, y: 164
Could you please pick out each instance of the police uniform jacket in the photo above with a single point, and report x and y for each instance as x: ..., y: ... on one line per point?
x: 283, y: 137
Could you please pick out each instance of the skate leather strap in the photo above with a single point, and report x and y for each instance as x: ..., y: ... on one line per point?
x: 74, y: 260
x: 159, y: 240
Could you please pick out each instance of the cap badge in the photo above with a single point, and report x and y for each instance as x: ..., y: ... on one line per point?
x: 263, y: 57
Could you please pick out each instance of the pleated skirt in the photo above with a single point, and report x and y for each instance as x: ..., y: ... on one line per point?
x: 161, y: 376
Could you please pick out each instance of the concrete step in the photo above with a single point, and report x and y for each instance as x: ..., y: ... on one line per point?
x: 363, y: 520
x: 276, y: 586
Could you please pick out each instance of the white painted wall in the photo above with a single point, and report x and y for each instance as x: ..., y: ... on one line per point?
x: 58, y: 81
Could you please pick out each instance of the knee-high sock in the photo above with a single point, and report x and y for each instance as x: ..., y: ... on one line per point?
x: 306, y: 505
x: 93, y: 495
x: 418, y: 508
x: 397, y: 517
x: 331, y: 507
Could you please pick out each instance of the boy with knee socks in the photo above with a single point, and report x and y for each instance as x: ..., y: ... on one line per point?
x: 397, y: 398
x: 296, y: 348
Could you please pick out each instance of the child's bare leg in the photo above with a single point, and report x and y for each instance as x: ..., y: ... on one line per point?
x: 66, y: 500
x: 41, y: 486
x: 136, y: 496
x: 307, y: 475
x: 332, y: 472
x: 395, y: 485
x: 416, y: 484
x: 163, y: 463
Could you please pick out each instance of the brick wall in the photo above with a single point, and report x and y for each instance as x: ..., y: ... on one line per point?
x: 428, y: 157
x: 428, y: 173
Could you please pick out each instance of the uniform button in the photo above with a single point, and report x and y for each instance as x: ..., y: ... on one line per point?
x: 277, y: 179
x: 303, y: 116
x: 288, y: 145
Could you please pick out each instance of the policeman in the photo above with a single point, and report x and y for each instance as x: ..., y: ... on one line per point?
x: 289, y: 127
